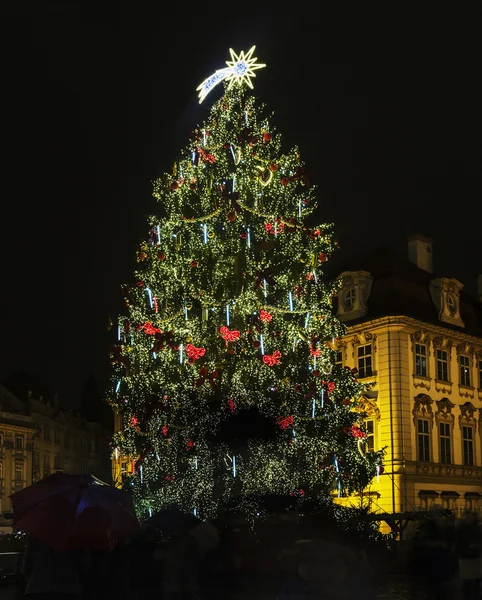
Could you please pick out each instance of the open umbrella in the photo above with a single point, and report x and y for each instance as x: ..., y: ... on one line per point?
x: 74, y: 511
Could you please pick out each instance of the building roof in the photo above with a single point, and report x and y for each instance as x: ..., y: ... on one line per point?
x: 401, y: 288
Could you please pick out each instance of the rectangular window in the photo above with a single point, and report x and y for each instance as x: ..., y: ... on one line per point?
x: 46, y: 433
x: 19, y: 471
x: 421, y: 360
x: 1, y: 438
x: 1, y: 469
x: 423, y: 440
x: 480, y: 374
x: 19, y: 442
x: 370, y: 433
x: 442, y: 366
x: 339, y: 358
x: 365, y: 361
x: 468, y: 444
x: 57, y: 436
x: 56, y: 461
x: 445, y: 450
x: 464, y: 370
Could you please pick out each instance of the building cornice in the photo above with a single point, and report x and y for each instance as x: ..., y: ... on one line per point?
x: 383, y: 322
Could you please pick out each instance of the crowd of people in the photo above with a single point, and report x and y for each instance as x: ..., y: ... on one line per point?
x: 199, y: 563
x: 446, y: 554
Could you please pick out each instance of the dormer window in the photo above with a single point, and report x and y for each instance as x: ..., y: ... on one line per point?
x: 451, y: 303
x: 445, y: 295
x: 354, y: 293
x: 349, y: 298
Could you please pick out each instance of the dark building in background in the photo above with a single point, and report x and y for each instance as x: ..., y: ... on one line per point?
x: 39, y: 437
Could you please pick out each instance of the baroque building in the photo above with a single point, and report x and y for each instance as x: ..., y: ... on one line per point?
x: 417, y: 339
x: 38, y: 438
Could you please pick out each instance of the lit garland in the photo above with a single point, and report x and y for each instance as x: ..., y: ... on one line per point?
x: 240, y: 396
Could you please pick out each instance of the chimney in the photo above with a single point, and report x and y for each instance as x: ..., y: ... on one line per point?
x: 420, y: 252
x: 478, y: 287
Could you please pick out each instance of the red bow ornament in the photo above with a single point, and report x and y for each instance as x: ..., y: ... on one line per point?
x: 272, y: 359
x: 205, y: 375
x: 285, y: 422
x: 228, y: 335
x: 149, y: 328
x: 265, y: 316
x: 194, y: 353
x: 164, y: 338
x: 315, y: 351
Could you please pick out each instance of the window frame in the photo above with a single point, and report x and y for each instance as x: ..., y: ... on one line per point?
x: 480, y: 373
x: 445, y: 438
x: 370, y: 435
x: 444, y: 361
x: 338, y: 362
x: 19, y: 466
x: 349, y: 298
x: 19, y: 437
x: 363, y: 372
x: 463, y: 375
x: 471, y: 441
x: 427, y: 437
x: 1, y: 469
x: 424, y: 370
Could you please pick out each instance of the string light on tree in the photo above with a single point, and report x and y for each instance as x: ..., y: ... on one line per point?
x: 224, y: 311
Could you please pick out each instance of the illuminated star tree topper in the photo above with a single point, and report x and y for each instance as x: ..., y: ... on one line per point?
x: 240, y: 69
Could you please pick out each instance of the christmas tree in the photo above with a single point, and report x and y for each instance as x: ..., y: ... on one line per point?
x: 224, y: 370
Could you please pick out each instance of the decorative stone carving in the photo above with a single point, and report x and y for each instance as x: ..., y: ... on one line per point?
x: 367, y: 406
x: 466, y: 392
x: 362, y: 338
x: 444, y: 410
x: 423, y: 409
x: 467, y: 414
x: 445, y: 293
x: 443, y: 342
x: 353, y: 296
x: 421, y: 337
x: 465, y: 348
x: 421, y: 382
x: 443, y: 387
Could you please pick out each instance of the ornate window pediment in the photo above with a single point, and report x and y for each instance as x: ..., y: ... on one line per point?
x: 353, y: 295
x: 422, y: 408
x: 362, y: 338
x: 420, y: 337
x: 369, y: 407
x: 445, y: 294
x: 467, y: 414
x: 444, y: 410
x: 443, y: 342
x: 465, y: 348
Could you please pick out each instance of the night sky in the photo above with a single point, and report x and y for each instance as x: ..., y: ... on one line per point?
x: 98, y: 98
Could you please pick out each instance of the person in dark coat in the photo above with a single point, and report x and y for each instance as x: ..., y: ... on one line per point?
x: 53, y: 574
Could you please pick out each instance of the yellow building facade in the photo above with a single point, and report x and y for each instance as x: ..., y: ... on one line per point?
x: 417, y: 338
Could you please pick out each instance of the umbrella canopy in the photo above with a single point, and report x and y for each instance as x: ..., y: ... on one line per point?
x: 74, y: 511
x: 171, y: 520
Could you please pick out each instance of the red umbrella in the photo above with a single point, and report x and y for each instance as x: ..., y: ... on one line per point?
x: 75, y: 511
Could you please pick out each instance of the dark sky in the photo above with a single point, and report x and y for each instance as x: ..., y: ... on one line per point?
x: 98, y: 97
